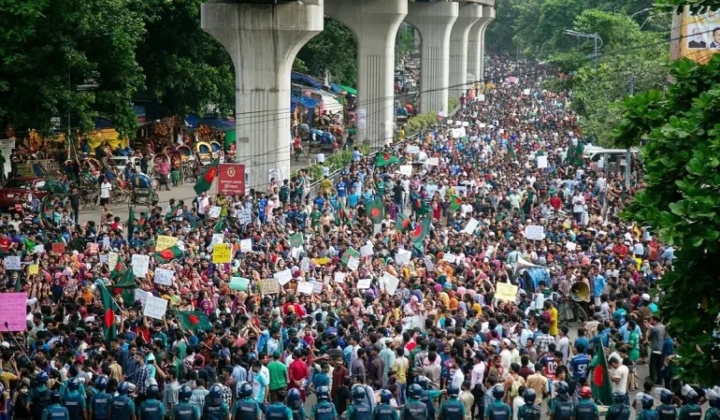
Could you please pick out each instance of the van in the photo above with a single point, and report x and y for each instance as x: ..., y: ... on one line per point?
x: 602, y: 156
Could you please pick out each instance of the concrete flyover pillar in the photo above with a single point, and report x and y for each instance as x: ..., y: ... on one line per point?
x: 468, y: 15
x: 375, y: 24
x: 263, y: 40
x: 476, y: 43
x: 434, y: 21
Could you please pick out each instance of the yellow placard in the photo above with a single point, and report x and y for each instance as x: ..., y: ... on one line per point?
x: 221, y: 253
x: 33, y: 269
x: 505, y: 291
x: 165, y: 242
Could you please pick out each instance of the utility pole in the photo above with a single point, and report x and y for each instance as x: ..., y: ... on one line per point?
x: 597, y: 42
x: 628, y: 154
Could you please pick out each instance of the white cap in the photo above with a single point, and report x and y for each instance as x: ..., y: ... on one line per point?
x: 645, y: 296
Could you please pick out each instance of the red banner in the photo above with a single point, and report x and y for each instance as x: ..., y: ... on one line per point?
x: 231, y: 179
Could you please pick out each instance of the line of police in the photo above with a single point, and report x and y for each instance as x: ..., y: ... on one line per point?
x: 70, y: 404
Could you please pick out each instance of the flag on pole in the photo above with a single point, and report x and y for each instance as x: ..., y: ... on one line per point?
x: 384, y: 159
x: 167, y: 255
x: 194, y: 321
x: 109, y: 308
x: 207, y: 177
x: 600, y: 380
x: 420, y: 232
x: 402, y: 222
x: 455, y: 202
x: 376, y: 211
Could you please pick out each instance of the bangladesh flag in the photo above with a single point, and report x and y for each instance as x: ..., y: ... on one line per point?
x: 219, y: 225
x: 194, y: 321
x: 600, y: 380
x: 384, y: 159
x: 207, y: 177
x: 349, y: 253
x: 167, y: 255
x: 455, y: 202
x: 119, y: 269
x: 296, y: 240
x: 420, y: 232
x: 376, y: 211
x: 342, y: 217
x: 169, y: 216
x: 131, y: 224
x: 109, y: 308
x: 402, y: 223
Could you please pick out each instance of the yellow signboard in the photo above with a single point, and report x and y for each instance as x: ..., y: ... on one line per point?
x: 165, y: 242
x: 221, y: 253
x: 505, y: 291
x: 700, y: 36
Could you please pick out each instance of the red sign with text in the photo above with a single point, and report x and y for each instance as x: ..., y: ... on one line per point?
x: 231, y: 179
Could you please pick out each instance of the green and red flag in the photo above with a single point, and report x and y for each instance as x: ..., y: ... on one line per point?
x: 194, y: 321
x: 342, y: 216
x: 206, y: 178
x: 376, y: 211
x: 600, y: 378
x: 109, y: 308
x: 420, y: 232
x: 384, y: 159
x: 169, y: 216
x: 402, y: 222
x: 349, y: 253
x: 167, y: 255
x: 219, y: 225
x: 455, y: 202
x: 296, y: 240
x: 118, y: 270
x: 131, y: 224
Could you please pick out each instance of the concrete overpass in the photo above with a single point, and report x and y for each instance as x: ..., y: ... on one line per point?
x: 264, y: 36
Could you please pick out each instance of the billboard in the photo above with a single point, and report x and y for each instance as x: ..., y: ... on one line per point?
x: 231, y: 179
x: 699, y: 36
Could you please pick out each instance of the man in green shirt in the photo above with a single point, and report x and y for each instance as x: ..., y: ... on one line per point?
x: 278, y: 375
x: 315, y: 217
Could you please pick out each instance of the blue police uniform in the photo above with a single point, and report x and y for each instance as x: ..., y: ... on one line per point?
x: 246, y: 409
x: 586, y: 410
x: 99, y: 404
x: 75, y: 404
x: 385, y: 412
x: 618, y: 412
x: 151, y: 409
x: 498, y: 410
x: 414, y: 410
x: 323, y: 411
x: 186, y: 411
x: 121, y: 407
x: 278, y: 411
x: 55, y: 412
x: 358, y: 411
x: 452, y: 409
x: 529, y: 412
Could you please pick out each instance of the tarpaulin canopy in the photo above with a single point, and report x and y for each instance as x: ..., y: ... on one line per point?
x: 194, y: 121
x: 302, y: 100
x: 348, y: 89
x: 304, y: 78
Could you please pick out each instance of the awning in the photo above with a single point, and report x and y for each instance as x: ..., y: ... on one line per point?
x: 304, y: 78
x: 348, y: 89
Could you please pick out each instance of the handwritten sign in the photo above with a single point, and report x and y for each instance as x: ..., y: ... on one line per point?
x: 246, y: 245
x: 141, y: 295
x: 367, y: 250
x: 214, y: 212
x: 58, y: 248
x: 244, y: 216
x: 13, y: 311
x: 570, y: 246
x: 140, y: 264
x: 155, y: 307
x: 317, y: 287
x: 12, y: 263
x: 339, y: 277
x: 112, y: 260
x: 239, y: 283
x: 305, y: 287
x: 221, y: 254
x: 164, y: 276
x: 165, y: 242
x: 535, y: 232
x: 270, y: 286
x: 433, y: 161
x: 283, y: 277
x: 217, y: 238
x: 390, y: 282
x: 353, y: 263
x: 449, y: 258
x: 305, y: 264
x: 364, y: 283
x: 506, y: 291
x: 471, y: 226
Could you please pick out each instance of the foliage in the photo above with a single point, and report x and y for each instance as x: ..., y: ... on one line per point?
x: 49, y: 48
x: 333, y: 51
x: 189, y: 72
x: 680, y: 202
x: 420, y: 122
x: 405, y: 40
x: 453, y: 103
x: 299, y: 66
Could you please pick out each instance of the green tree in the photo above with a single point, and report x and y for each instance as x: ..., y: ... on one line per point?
x: 186, y: 69
x: 680, y: 203
x: 334, y: 51
x: 405, y: 40
x: 49, y: 48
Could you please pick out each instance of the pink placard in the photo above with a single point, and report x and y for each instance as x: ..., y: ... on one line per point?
x: 13, y: 311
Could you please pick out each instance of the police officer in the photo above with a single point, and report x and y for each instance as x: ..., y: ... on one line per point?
x: 152, y: 408
x: 40, y: 397
x: 586, y: 409
x: 122, y: 407
x: 54, y: 410
x: 296, y: 405
x: 713, y: 396
x: 215, y: 407
x: 619, y: 410
x: 428, y: 396
x: 73, y: 400
x: 498, y: 410
x: 529, y: 411
x: 666, y: 410
x: 358, y: 410
x: 384, y: 411
x: 561, y: 408
x: 278, y: 410
x: 453, y: 408
x: 414, y: 409
x: 100, y: 401
x: 246, y: 408
x: 691, y: 410
x: 184, y: 410
x: 647, y: 412
x: 324, y: 409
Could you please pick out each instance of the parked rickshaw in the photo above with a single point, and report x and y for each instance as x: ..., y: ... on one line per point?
x: 92, y: 165
x: 142, y: 190
x: 169, y: 150
x: 204, y: 153
x: 186, y: 153
x: 216, y: 149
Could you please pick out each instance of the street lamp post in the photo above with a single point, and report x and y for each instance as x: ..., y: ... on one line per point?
x: 595, y: 37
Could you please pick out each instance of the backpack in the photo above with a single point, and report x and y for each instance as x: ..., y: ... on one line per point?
x: 515, y: 388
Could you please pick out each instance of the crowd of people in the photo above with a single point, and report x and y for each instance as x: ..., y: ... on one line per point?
x: 382, y: 296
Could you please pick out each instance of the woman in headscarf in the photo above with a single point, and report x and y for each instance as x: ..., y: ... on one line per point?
x: 414, y: 313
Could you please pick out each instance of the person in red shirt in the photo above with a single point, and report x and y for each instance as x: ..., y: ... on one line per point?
x: 556, y: 202
x: 298, y: 373
x: 297, y: 309
x: 5, y: 243
x: 620, y: 249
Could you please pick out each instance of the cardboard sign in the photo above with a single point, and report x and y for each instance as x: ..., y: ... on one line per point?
x: 406, y: 170
x: 353, y: 263
x: 542, y: 162
x: 239, y: 283
x: 33, y: 269
x: 270, y: 286
x: 112, y: 260
x: 214, y: 212
x: 506, y: 291
x: 339, y: 277
x: 93, y: 247
x: 164, y: 276
x: 471, y: 226
x: 165, y: 242
x: 221, y: 254
x: 155, y: 307
x: 535, y: 232
x: 13, y: 311
x: 12, y: 263
x: 390, y: 282
x: 140, y: 265
x: 246, y: 245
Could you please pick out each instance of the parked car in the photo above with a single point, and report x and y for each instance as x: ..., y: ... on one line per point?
x: 17, y: 187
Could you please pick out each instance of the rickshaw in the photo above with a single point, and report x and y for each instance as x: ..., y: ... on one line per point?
x: 169, y: 150
x: 576, y: 306
x: 203, y: 153
x: 162, y: 179
x: 186, y: 153
x: 142, y: 190
x: 303, y: 131
x: 92, y: 165
x: 217, y: 149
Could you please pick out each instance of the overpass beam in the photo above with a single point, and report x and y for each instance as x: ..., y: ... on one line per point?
x: 468, y: 15
x: 476, y: 43
x: 262, y: 41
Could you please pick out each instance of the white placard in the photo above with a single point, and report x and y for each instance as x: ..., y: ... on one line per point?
x: 246, y: 245
x: 12, y: 263
x: 106, y: 242
x: 214, y: 212
x: 112, y: 260
x: 283, y: 277
x: 339, y: 277
x: 542, y: 162
x: 141, y: 295
x: 429, y: 264
x: 535, y: 232
x: 164, y: 276
x: 390, y: 282
x: 305, y: 287
x: 244, y: 216
x: 465, y: 124
x: 103, y: 258
x: 217, y: 238
x: 364, y: 283
x: 155, y: 307
x: 305, y: 264
x: 353, y: 263
x: 140, y: 264
x: 471, y: 226
x: 481, y: 98
x: 402, y: 256
x: 321, y: 157
x: 449, y: 258
x: 406, y: 170
x: 366, y: 250
x: 570, y: 246
x: 317, y: 287
x: 433, y: 161
x: 526, y: 91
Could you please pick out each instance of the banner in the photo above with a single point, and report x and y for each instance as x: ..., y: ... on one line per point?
x: 165, y: 242
x: 231, y: 179
x: 13, y: 311
x: 221, y: 254
x: 699, y: 36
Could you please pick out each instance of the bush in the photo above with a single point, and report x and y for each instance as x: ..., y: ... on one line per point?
x: 420, y: 122
x: 453, y: 103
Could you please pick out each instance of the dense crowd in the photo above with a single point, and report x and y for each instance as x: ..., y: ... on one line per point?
x: 383, y: 295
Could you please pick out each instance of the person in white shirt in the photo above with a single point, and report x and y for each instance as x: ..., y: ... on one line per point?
x: 458, y: 377
x: 477, y: 376
x: 618, y: 376
x: 105, y: 189
x: 518, y: 402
